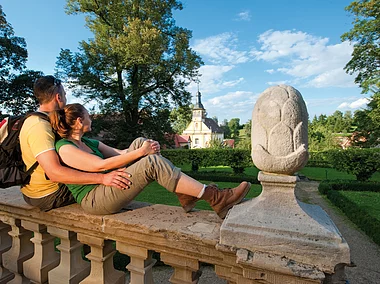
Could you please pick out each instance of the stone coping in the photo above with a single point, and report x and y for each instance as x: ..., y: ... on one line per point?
x: 140, y: 223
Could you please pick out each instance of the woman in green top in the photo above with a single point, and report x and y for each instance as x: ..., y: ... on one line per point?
x: 142, y: 160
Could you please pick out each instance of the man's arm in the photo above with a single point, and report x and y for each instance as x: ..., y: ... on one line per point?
x: 56, y: 172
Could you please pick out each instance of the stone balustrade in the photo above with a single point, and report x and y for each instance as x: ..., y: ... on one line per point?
x: 184, y: 241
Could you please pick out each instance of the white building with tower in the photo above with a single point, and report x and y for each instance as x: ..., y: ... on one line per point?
x: 201, y: 128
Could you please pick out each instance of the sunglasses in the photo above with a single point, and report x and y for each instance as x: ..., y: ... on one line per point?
x: 57, y: 82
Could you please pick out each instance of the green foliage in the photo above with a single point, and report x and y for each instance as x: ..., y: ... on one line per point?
x: 16, y: 84
x: 180, y: 118
x: 365, y: 36
x: 362, y: 163
x: 237, y: 159
x: 348, y: 185
x: 234, y: 126
x: 368, y: 124
x: 137, y: 65
x: 325, y: 131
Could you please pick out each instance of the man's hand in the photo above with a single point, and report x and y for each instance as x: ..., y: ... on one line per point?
x: 117, y: 178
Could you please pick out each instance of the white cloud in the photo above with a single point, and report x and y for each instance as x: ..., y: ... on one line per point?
x: 306, y: 57
x: 355, y: 104
x: 212, y: 79
x: 221, y: 48
x: 270, y: 71
x: 244, y: 16
x: 233, y: 104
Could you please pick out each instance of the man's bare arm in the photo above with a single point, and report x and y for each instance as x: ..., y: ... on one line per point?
x: 56, y: 172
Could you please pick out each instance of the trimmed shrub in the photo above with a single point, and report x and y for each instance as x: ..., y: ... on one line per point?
x: 366, y: 222
x: 362, y: 163
x: 237, y: 159
x: 348, y: 185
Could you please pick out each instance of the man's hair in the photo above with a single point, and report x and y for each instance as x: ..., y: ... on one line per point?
x: 46, y: 87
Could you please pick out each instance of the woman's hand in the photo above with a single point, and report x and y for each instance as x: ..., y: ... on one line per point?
x: 117, y: 178
x: 150, y: 147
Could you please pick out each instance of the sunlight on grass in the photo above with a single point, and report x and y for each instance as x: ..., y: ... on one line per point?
x: 366, y: 200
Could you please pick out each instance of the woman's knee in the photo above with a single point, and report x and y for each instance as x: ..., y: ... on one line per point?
x: 137, y: 143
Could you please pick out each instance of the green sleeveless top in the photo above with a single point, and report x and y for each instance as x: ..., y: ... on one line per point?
x: 79, y: 191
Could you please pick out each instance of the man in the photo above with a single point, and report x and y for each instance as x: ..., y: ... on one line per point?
x: 47, y: 189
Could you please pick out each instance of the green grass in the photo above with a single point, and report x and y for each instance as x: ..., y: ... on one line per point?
x: 331, y: 174
x: 365, y: 200
x: 156, y: 194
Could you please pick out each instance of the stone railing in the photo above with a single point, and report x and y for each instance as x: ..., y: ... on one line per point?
x: 183, y: 241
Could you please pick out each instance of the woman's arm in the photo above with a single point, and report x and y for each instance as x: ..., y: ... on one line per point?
x: 81, y: 160
x: 108, y: 151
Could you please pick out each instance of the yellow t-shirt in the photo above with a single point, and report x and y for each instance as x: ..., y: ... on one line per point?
x: 36, y: 137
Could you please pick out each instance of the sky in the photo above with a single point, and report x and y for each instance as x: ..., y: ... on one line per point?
x: 247, y: 46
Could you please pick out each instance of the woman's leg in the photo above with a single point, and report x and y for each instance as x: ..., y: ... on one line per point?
x: 108, y: 200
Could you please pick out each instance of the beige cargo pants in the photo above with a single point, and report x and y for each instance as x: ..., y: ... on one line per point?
x: 108, y: 200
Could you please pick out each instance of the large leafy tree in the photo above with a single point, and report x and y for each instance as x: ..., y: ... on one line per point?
x: 16, y: 83
x: 365, y: 35
x: 365, y: 62
x: 138, y: 64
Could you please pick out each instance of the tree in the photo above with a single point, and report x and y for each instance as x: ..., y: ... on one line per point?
x: 180, y: 118
x: 365, y: 62
x: 234, y: 126
x: 138, y: 63
x: 16, y: 84
x: 366, y: 37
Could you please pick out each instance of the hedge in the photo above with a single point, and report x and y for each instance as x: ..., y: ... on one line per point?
x: 348, y: 185
x: 366, y: 222
x: 237, y: 159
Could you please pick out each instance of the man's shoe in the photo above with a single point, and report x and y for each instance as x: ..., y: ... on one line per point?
x: 223, y: 200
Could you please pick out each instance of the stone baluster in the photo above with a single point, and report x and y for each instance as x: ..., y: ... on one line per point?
x: 45, y: 257
x: 72, y: 268
x: 141, y: 263
x: 101, y: 257
x: 186, y: 270
x: 21, y: 250
x: 5, y: 244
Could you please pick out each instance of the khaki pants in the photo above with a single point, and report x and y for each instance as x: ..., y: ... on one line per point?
x: 108, y: 200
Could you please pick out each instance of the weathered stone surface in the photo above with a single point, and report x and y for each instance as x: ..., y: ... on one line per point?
x: 279, y: 131
x: 277, y: 223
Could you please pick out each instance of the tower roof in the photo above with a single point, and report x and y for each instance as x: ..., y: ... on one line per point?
x: 198, y: 104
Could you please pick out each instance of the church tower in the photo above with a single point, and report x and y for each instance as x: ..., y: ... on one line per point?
x: 199, y: 112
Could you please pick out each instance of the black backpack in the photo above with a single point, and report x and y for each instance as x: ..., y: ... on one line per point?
x: 12, y: 168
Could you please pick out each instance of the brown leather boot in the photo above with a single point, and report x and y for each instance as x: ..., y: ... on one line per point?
x: 223, y: 200
x: 187, y: 201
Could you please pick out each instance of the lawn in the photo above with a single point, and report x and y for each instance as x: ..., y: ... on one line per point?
x: 154, y: 193
x: 366, y: 200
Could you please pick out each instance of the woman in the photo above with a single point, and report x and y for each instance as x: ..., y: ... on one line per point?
x: 142, y: 161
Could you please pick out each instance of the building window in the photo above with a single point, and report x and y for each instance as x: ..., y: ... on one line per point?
x: 196, y: 126
x: 196, y: 141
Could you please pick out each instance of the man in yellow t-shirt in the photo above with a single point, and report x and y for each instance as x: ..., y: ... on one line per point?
x: 47, y: 189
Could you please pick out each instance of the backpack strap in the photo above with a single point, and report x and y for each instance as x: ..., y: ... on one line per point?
x: 32, y: 168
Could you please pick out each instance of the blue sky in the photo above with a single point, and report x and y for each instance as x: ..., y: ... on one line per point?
x: 246, y: 45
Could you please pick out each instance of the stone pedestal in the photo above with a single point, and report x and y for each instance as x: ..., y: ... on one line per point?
x: 276, y: 223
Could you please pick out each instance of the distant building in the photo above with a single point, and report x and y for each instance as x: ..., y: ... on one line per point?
x: 202, y: 129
